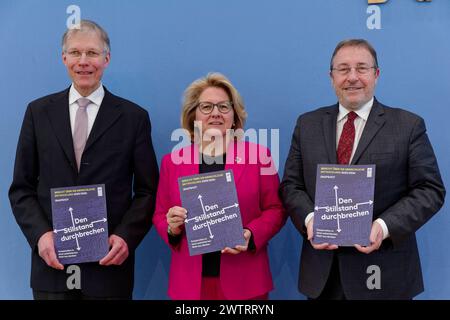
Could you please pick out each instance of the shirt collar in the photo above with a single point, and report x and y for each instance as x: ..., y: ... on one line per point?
x: 95, y: 97
x: 362, y: 112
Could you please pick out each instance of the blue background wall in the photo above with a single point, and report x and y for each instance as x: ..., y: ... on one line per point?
x: 277, y: 55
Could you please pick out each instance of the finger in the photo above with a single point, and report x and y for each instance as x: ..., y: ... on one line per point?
x: 180, y: 215
x: 56, y: 264
x: 119, y: 258
x: 177, y: 208
x: 365, y: 250
x: 176, y: 225
x: 319, y: 246
x: 373, y: 236
x: 176, y: 220
x: 45, y: 256
x: 233, y: 251
x: 230, y: 251
x: 241, y: 248
x: 324, y: 246
x: 49, y: 256
x: 111, y: 254
x: 360, y: 248
x: 178, y: 211
x: 377, y: 244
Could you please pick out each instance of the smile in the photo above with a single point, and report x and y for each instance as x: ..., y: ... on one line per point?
x: 352, y: 88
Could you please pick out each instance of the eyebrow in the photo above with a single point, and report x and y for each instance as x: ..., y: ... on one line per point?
x: 359, y: 64
x: 88, y: 49
x: 213, y: 102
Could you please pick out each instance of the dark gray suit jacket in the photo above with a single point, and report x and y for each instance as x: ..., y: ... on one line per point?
x: 408, y: 192
x: 118, y: 153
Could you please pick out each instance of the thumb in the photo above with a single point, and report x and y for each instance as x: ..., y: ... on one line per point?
x: 374, y: 232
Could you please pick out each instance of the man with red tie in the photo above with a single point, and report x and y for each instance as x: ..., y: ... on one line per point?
x: 408, y: 186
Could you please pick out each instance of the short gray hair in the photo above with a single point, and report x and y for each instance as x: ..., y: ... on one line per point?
x: 362, y: 43
x: 88, y: 26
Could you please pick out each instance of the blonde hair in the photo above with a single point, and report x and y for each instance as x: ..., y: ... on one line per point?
x: 195, y: 89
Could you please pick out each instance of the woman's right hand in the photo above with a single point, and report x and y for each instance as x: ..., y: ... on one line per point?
x: 175, y: 218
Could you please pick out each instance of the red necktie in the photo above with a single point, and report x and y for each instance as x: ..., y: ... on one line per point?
x: 345, y: 146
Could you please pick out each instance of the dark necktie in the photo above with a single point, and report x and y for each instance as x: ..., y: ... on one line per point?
x: 345, y: 146
x: 80, y: 132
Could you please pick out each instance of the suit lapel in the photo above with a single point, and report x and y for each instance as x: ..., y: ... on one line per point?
x: 108, y: 113
x: 59, y: 116
x: 374, y: 123
x: 329, y: 132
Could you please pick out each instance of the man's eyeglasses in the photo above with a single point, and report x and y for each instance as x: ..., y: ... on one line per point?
x: 343, y: 71
x: 208, y: 107
x: 90, y: 54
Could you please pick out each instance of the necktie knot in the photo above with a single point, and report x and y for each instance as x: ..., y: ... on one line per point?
x: 83, y: 102
x: 351, y: 116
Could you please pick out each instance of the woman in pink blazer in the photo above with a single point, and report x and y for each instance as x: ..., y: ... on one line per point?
x: 241, y: 272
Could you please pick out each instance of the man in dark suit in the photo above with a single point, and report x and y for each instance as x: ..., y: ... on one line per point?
x: 408, y: 186
x: 81, y: 136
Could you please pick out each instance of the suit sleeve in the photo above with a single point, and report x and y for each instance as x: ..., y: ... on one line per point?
x: 273, y: 215
x: 23, y: 191
x: 426, y: 189
x: 137, y: 220
x: 292, y: 190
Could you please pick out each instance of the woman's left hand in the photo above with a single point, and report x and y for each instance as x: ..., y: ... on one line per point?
x: 239, y: 249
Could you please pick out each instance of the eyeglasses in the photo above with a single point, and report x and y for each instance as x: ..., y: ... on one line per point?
x: 208, y: 107
x: 90, y: 54
x: 343, y: 71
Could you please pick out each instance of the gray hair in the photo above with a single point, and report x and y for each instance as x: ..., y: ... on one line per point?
x: 356, y: 43
x: 88, y: 26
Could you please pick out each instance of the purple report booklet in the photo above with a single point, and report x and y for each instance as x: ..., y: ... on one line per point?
x: 80, y: 226
x: 343, y: 206
x: 213, y: 217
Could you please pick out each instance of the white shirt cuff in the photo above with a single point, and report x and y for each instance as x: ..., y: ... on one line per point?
x: 308, y: 218
x: 383, y: 226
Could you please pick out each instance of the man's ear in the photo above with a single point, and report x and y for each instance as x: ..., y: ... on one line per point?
x: 331, y: 78
x: 64, y: 58
x: 377, y: 74
x: 107, y: 58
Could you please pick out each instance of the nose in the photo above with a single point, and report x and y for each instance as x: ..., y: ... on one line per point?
x: 83, y: 59
x: 215, y: 111
x: 352, y: 75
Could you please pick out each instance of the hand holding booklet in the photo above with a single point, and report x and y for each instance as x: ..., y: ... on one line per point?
x: 344, y: 204
x: 80, y: 226
x: 213, y: 217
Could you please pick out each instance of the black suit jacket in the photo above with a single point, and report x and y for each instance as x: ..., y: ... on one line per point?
x: 118, y: 153
x: 408, y: 192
